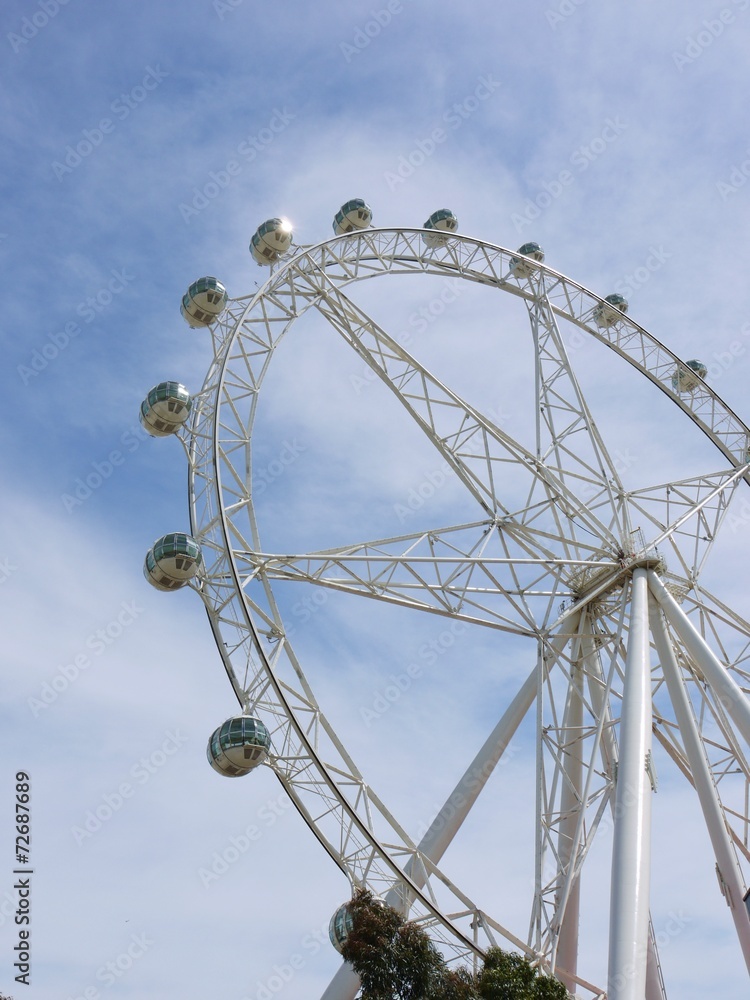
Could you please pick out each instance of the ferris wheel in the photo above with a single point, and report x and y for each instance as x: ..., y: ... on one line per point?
x: 627, y: 651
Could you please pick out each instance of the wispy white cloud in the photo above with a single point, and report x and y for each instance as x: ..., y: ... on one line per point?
x: 598, y: 96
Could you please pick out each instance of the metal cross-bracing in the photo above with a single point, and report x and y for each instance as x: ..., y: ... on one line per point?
x: 628, y: 654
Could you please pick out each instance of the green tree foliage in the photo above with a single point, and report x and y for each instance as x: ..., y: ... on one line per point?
x: 395, y: 960
x: 507, y: 976
x: 457, y: 984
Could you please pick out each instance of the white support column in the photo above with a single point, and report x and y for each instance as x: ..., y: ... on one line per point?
x: 726, y: 858
x: 344, y: 985
x: 447, y: 823
x: 537, y: 909
x: 654, y: 983
x: 725, y: 688
x: 570, y: 806
x: 631, y: 853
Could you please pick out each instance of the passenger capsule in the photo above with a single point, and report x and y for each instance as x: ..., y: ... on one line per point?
x: 522, y: 266
x: 238, y: 745
x: 684, y: 378
x: 172, y: 561
x: 354, y: 214
x: 203, y: 302
x: 342, y: 923
x: 165, y: 409
x: 608, y: 312
x: 271, y: 240
x: 340, y: 927
x: 442, y: 221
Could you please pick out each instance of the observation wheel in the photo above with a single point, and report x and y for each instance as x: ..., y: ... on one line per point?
x: 627, y: 653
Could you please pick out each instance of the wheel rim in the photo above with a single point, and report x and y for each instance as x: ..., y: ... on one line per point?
x: 593, y: 580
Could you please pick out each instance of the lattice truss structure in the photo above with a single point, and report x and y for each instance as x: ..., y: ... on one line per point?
x: 625, y: 646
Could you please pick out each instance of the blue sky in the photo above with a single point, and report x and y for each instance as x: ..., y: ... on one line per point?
x: 142, y: 145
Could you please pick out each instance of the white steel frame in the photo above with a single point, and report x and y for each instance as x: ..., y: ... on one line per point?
x: 583, y: 592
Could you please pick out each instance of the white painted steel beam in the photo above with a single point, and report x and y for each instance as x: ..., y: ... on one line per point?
x: 726, y: 859
x: 654, y: 980
x: 725, y: 688
x: 631, y: 852
x: 570, y: 807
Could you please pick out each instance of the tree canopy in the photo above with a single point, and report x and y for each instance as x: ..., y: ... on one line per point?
x: 396, y: 960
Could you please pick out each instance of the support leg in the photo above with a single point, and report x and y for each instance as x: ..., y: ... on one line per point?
x: 570, y: 805
x: 724, y: 687
x: 629, y: 914
x: 726, y: 858
x: 447, y: 823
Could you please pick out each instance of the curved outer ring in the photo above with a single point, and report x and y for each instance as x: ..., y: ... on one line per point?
x: 238, y: 632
